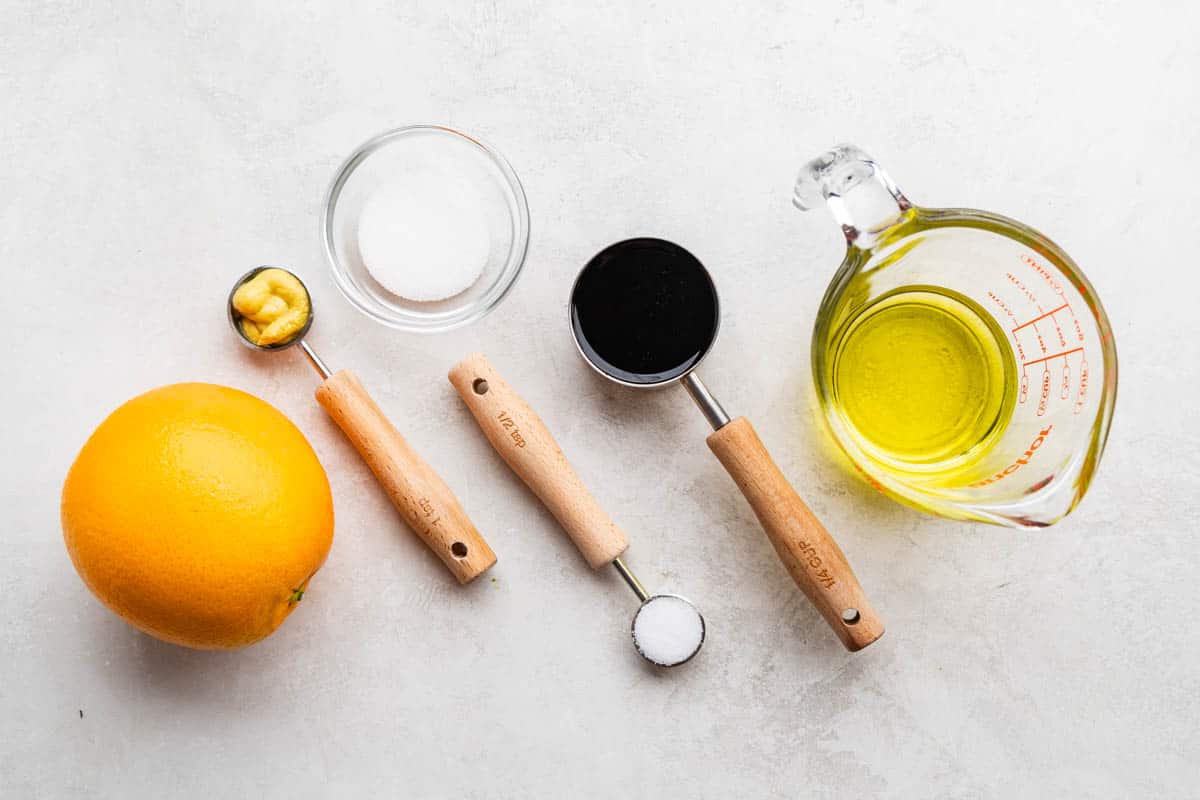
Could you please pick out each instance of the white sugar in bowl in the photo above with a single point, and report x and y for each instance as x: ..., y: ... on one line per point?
x: 425, y: 228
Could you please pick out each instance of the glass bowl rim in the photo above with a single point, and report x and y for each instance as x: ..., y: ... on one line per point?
x: 509, y: 273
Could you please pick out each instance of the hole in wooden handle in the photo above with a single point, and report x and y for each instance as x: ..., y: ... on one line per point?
x: 480, y: 386
x: 850, y: 616
x: 460, y: 551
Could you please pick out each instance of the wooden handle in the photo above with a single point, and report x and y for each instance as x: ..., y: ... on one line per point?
x: 807, y: 550
x: 524, y: 441
x: 422, y: 498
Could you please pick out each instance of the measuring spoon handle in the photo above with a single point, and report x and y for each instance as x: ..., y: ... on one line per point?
x: 813, y: 558
x: 526, y: 444
x: 418, y: 493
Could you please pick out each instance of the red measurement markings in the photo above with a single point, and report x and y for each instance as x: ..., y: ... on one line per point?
x: 1017, y: 282
x: 1083, y: 386
x: 1049, y: 313
x: 1056, y: 355
x: 1062, y: 340
x: 1040, y: 270
x: 1040, y: 340
x: 1033, y: 264
x: 1002, y: 305
x: 1020, y: 462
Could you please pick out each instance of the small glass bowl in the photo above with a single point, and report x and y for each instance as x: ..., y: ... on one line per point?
x: 381, y: 163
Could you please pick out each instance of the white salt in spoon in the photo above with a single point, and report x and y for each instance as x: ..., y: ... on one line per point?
x: 667, y: 629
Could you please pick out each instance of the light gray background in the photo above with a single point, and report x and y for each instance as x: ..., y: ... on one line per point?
x: 148, y: 156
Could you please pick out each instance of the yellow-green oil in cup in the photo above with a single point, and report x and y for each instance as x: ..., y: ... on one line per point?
x: 924, y: 380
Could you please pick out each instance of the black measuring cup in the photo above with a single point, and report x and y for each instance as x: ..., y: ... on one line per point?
x: 645, y: 313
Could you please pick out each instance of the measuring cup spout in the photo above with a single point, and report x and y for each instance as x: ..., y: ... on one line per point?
x: 863, y: 199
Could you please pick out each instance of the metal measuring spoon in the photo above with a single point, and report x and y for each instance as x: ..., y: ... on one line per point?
x: 423, y: 499
x: 235, y: 318
x: 645, y: 313
x: 667, y: 629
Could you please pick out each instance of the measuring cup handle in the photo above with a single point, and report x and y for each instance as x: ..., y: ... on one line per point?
x: 865, y: 201
x: 418, y: 493
x: 813, y: 558
x: 526, y: 444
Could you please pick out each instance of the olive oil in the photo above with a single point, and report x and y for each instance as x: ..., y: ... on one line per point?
x: 924, y: 379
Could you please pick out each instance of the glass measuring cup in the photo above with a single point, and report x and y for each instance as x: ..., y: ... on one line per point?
x: 989, y: 351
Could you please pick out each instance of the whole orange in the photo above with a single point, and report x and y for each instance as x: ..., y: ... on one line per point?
x: 198, y: 513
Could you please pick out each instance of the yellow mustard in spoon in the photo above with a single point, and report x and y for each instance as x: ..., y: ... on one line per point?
x: 273, y: 307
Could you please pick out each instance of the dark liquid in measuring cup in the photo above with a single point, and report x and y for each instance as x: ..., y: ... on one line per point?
x: 644, y: 311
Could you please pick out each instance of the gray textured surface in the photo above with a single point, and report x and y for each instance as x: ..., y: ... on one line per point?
x: 149, y: 156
